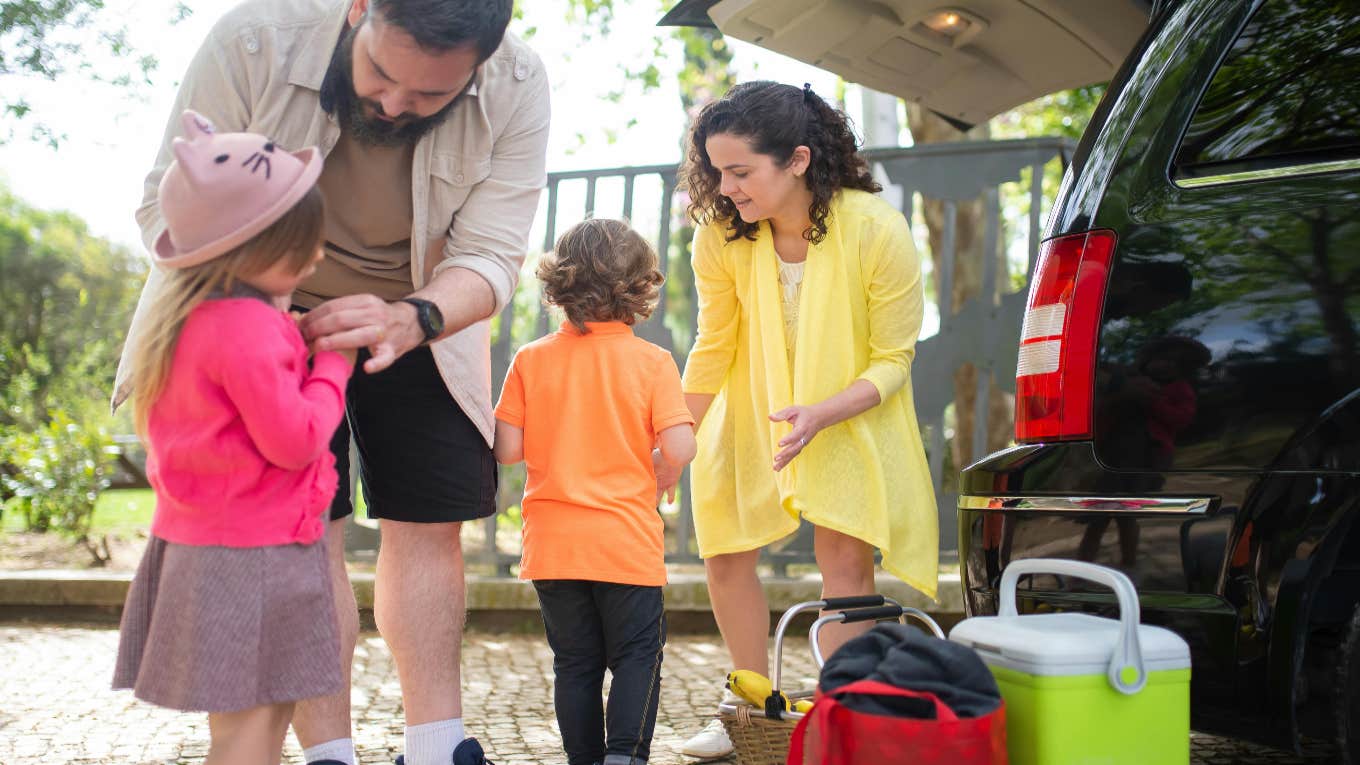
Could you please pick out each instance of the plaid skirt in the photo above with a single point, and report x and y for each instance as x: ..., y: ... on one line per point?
x: 223, y: 629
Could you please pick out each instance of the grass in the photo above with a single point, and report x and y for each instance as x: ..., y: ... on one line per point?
x: 125, y: 511
x: 122, y: 510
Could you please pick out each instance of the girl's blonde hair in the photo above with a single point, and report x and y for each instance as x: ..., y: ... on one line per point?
x: 601, y: 270
x: 292, y: 240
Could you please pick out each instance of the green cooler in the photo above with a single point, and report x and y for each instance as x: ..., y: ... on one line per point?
x: 1080, y: 689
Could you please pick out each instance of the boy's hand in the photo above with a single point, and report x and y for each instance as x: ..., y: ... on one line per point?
x: 667, y: 477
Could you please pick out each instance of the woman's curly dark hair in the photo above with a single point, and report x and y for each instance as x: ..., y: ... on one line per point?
x: 601, y: 270
x: 775, y: 119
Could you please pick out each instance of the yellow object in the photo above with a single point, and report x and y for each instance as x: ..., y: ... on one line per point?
x: 859, y: 315
x: 754, y: 688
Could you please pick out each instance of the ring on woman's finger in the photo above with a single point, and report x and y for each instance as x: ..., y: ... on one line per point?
x: 380, y: 332
x: 802, y: 442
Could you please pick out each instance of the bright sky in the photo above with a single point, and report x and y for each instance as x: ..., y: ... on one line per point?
x: 112, y: 138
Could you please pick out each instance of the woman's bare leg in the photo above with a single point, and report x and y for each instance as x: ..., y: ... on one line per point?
x: 847, y: 566
x: 740, y: 608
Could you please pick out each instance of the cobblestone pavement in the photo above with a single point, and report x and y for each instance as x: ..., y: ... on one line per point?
x: 56, y: 706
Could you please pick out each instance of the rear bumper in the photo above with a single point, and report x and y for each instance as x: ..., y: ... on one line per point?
x: 1045, y: 504
x: 1170, y: 533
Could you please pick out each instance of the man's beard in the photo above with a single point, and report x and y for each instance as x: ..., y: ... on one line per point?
x: 405, y: 129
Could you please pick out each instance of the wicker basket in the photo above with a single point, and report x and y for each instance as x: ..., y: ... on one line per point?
x: 759, y: 740
x: 756, y: 739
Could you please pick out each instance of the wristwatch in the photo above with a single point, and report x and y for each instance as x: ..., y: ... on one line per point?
x: 427, y: 313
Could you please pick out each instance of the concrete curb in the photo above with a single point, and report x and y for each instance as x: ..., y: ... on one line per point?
x: 495, y: 604
x: 685, y: 592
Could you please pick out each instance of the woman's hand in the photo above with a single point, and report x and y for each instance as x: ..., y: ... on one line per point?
x: 807, y: 422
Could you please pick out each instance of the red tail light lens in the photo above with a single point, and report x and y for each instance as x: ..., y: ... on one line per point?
x: 1055, y: 374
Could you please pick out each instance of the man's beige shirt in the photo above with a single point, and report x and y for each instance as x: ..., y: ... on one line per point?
x: 475, y: 180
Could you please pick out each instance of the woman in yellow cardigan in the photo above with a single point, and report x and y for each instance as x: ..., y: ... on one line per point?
x: 810, y: 303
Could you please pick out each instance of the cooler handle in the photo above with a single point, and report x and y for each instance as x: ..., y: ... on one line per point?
x: 1128, y: 654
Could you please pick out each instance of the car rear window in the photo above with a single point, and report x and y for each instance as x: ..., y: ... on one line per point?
x: 1286, y: 94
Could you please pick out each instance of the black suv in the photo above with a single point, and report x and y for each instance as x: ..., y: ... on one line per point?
x: 1188, y: 386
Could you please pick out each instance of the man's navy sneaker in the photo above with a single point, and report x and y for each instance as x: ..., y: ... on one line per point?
x: 469, y: 752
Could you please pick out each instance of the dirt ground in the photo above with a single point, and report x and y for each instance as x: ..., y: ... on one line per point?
x: 27, y: 551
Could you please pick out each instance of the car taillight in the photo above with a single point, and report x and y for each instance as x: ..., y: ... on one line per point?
x: 1056, y: 370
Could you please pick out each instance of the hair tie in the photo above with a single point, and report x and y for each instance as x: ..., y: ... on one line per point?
x: 807, y: 92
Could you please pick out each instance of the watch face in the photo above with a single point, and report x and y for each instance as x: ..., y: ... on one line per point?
x: 434, y: 319
x: 430, y: 318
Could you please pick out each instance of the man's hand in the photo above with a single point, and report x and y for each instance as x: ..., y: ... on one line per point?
x: 387, y: 330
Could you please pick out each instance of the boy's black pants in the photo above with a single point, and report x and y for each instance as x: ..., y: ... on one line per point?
x: 593, y: 626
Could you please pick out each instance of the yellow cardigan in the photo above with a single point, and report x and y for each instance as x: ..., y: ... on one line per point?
x: 859, y: 316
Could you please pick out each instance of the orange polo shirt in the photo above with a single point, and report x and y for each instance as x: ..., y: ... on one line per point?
x: 591, y: 406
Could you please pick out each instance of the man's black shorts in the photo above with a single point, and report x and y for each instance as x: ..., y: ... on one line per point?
x: 421, y: 459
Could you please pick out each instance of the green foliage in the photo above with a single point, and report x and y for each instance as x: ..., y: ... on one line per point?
x: 57, y: 472
x: 46, y: 39
x: 66, y: 297
x: 1062, y: 114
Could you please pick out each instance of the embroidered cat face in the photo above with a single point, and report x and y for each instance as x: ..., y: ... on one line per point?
x: 253, y: 152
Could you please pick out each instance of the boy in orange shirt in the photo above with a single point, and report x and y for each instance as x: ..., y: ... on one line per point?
x: 596, y: 414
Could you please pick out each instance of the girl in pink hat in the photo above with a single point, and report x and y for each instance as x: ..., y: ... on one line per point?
x: 231, y: 611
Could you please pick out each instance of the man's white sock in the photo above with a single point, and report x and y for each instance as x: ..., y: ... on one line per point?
x: 433, y: 743
x: 340, y: 750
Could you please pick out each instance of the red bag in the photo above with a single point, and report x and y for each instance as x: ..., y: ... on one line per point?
x: 833, y: 734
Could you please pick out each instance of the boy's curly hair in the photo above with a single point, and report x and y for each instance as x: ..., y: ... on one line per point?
x: 601, y: 270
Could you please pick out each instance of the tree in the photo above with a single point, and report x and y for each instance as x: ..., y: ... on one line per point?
x: 43, y: 39
x: 65, y: 298
x: 1063, y: 114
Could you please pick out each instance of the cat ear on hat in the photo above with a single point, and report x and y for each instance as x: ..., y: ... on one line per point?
x: 197, y: 131
x: 195, y: 124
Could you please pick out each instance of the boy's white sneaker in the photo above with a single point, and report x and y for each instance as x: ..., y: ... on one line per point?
x: 711, y: 743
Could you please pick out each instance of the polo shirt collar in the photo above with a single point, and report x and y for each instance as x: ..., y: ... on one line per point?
x: 598, y: 328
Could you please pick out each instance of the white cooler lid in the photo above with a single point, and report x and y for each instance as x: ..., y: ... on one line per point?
x: 1064, y: 644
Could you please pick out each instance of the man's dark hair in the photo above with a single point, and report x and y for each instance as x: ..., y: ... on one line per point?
x: 441, y: 25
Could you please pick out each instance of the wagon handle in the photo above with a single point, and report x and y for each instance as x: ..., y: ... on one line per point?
x: 814, y: 605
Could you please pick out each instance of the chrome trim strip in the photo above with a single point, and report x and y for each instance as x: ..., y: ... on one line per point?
x: 1160, y: 505
x: 1312, y: 168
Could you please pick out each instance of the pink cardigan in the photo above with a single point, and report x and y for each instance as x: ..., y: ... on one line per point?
x: 239, y: 439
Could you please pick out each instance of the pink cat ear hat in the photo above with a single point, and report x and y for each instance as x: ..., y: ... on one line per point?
x: 224, y: 188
